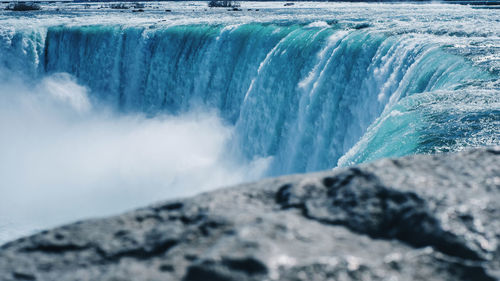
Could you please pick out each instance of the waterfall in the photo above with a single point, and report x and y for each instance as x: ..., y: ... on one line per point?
x: 307, y: 96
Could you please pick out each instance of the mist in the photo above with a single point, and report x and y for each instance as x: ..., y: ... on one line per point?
x: 65, y: 158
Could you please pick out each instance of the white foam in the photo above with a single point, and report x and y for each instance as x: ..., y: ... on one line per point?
x: 64, y: 160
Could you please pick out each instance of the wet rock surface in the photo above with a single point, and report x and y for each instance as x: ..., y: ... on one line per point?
x: 414, y: 218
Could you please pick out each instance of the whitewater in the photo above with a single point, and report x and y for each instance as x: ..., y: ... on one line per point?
x: 104, y: 110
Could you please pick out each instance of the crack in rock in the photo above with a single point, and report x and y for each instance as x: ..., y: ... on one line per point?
x: 358, y: 200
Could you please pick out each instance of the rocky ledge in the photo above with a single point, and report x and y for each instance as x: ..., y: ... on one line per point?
x: 431, y: 217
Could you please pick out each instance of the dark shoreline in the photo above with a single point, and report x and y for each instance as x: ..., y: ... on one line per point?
x: 459, y: 2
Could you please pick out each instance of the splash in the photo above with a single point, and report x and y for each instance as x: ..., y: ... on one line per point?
x: 64, y: 158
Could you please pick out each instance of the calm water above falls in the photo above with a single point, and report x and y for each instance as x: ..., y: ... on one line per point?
x: 105, y: 110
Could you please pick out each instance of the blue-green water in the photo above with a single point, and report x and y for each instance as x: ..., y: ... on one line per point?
x: 287, y: 90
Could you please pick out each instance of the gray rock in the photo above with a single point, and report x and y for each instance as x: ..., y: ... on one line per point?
x: 416, y: 218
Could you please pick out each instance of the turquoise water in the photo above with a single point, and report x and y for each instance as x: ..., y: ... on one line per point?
x: 292, y: 90
x: 303, y: 94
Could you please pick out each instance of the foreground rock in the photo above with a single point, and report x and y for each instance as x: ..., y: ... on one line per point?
x: 414, y: 218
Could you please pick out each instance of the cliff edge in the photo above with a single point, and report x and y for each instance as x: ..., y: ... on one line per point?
x: 424, y: 217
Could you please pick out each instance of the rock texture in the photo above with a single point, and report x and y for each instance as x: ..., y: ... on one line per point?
x: 415, y: 218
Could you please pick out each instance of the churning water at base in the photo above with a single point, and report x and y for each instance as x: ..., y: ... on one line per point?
x: 104, y: 111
